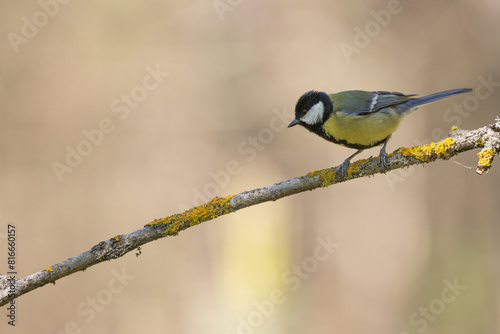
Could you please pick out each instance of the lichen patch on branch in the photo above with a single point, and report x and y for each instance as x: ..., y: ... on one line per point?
x: 486, y: 156
x: 216, y: 207
x: 423, y: 152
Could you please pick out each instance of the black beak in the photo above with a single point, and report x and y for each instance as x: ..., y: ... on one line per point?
x: 293, y: 123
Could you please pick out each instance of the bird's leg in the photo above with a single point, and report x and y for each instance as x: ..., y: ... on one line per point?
x: 382, y: 154
x: 342, y: 169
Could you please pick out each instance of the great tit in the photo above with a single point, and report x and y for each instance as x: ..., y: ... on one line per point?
x: 359, y: 119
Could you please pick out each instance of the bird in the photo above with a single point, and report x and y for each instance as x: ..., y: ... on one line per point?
x: 359, y: 119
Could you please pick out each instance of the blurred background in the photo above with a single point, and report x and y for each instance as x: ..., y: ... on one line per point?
x: 115, y: 113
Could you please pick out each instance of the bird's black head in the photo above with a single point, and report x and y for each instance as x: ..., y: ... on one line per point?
x: 313, y: 108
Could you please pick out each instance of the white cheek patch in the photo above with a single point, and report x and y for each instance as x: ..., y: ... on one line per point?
x: 315, y: 114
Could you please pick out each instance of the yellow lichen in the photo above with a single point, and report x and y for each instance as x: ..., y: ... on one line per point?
x: 415, y: 151
x: 353, y: 168
x: 49, y: 269
x: 443, y: 146
x: 421, y: 152
x: 326, y: 176
x: 210, y: 210
x: 486, y: 156
x: 312, y: 174
x: 480, y: 141
x: 453, y: 127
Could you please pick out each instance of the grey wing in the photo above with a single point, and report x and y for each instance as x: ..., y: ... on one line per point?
x: 383, y: 99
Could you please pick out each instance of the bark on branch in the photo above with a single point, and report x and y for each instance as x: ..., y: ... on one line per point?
x: 486, y: 138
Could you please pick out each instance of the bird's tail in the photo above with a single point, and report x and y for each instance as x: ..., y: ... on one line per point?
x: 433, y: 97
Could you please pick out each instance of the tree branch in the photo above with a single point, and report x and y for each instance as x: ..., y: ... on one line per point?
x: 486, y: 138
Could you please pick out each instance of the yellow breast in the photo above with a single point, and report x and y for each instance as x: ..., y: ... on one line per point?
x: 364, y: 130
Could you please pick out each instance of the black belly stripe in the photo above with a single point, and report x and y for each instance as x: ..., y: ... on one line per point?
x: 351, y: 145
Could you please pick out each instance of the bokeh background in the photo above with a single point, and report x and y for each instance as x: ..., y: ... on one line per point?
x: 413, y: 251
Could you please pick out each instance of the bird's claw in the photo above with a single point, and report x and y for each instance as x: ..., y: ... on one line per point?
x: 381, y: 159
x: 343, y: 168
